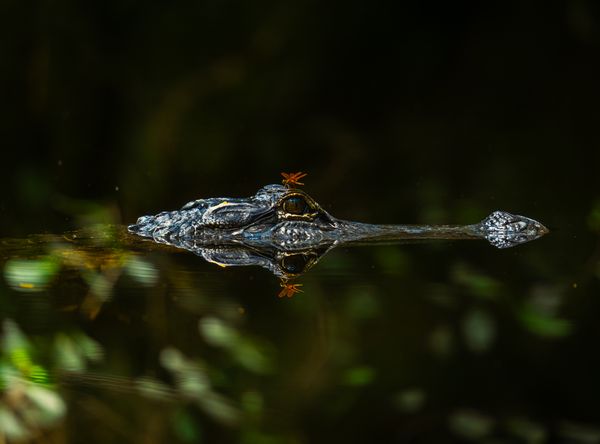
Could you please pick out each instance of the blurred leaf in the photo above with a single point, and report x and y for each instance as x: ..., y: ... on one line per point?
x: 91, y: 349
x: 470, y: 424
x: 172, y: 359
x: 68, y: 355
x: 220, y: 408
x: 248, y: 352
x: 100, y: 286
x: 546, y: 299
x: 479, y: 330
x: 153, y: 388
x: 13, y: 340
x: 579, y: 433
x: 10, y: 426
x: 216, y: 332
x: 30, y: 275
x: 39, y: 375
x: 193, y: 382
x: 7, y: 373
x: 410, y: 400
x: 20, y: 363
x: 72, y: 352
x: 358, y: 376
x: 251, y: 356
x: 20, y: 358
x: 593, y: 219
x: 190, y: 377
x: 141, y: 270
x: 528, y: 431
x: 479, y: 284
x: 543, y: 324
x: 49, y: 404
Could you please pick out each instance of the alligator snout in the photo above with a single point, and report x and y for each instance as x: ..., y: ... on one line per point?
x: 505, y: 230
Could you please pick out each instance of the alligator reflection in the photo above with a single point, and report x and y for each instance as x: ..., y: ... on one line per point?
x: 285, y: 265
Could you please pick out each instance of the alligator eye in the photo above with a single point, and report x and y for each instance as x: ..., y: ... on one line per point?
x: 296, y: 205
x: 294, y: 263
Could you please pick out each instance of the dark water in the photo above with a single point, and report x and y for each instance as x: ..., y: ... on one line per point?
x: 435, y: 341
x: 404, y: 114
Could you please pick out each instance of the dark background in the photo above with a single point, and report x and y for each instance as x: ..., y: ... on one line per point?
x: 386, y: 106
x: 422, y: 112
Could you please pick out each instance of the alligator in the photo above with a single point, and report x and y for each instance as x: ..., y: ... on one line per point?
x: 287, y: 231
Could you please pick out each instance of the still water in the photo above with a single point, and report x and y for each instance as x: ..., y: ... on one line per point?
x: 401, y: 113
x: 110, y: 338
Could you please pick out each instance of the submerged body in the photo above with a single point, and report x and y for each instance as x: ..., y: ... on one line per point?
x: 283, y: 221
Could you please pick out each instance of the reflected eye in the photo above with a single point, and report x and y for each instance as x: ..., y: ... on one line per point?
x: 294, y: 264
x: 295, y: 205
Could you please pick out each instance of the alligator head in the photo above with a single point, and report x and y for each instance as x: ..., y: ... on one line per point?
x: 288, y: 219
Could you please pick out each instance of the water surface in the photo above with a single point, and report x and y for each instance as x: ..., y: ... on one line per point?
x: 128, y: 338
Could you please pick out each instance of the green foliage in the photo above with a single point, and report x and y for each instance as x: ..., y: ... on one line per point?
x: 193, y: 383
x: 529, y: 431
x: 73, y: 352
x: 410, y: 400
x: 28, y: 402
x: 358, y: 376
x: 141, y: 270
x: 477, y: 283
x: 248, y: 352
x: 32, y: 275
x: 470, y: 424
x: 479, y: 330
x: 543, y: 324
x: 594, y: 217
